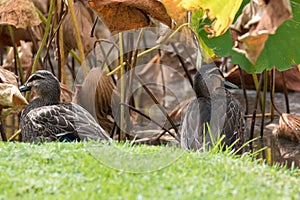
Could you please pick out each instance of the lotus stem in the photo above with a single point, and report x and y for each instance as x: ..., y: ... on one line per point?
x: 272, y: 92
x: 75, y: 56
x: 45, y: 37
x: 41, y: 16
x: 16, y: 54
x: 61, y: 46
x: 78, y: 38
x: 285, y: 92
x: 255, y: 109
x: 3, y: 135
x: 151, y: 49
x: 44, y: 41
x: 149, y: 118
x: 162, y: 109
x: 122, y: 88
x: 18, y: 132
x: 265, y: 74
x: 244, y: 90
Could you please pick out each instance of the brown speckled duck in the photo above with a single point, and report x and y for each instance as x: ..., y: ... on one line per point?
x: 46, y: 119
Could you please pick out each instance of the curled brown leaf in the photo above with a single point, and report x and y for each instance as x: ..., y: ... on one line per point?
x: 259, y: 19
x: 95, y: 95
x: 10, y: 99
x: 8, y: 77
x: 120, y: 15
x: 19, y: 13
x: 85, y: 24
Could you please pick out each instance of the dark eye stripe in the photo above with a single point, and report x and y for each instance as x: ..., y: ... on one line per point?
x: 35, y: 77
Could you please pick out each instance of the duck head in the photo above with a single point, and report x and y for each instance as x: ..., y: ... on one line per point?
x: 208, y: 79
x: 44, y: 85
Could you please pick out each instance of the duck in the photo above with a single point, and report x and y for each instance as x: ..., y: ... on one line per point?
x: 46, y: 119
x: 213, y: 114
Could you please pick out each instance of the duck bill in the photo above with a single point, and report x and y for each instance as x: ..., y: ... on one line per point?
x: 230, y: 85
x: 25, y: 88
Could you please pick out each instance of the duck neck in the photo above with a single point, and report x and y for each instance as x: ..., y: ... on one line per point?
x: 38, y: 102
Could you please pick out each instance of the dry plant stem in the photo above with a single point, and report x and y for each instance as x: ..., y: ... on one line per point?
x: 128, y: 56
x: 93, y: 28
x: 264, y: 103
x: 182, y: 64
x: 286, y: 97
x: 162, y: 77
x: 268, y: 156
x: 59, y: 58
x: 153, y: 139
x: 78, y: 39
x: 106, y: 64
x: 44, y: 40
x: 45, y: 36
x: 45, y: 43
x: 149, y: 118
x: 272, y: 93
x: 122, y: 88
x: 41, y: 16
x: 18, y: 132
x: 158, y: 104
x: 113, y: 130
x: 135, y: 52
x: 255, y: 80
x: 128, y: 98
x: 33, y: 40
x: 16, y: 55
x: 189, y: 55
x: 54, y: 24
x: 50, y: 63
x: 61, y: 19
x: 273, y: 104
x: 163, y: 42
x: 62, y: 15
x: 244, y: 90
x: 75, y: 56
x: 61, y: 45
x: 258, y: 115
x: 133, y: 64
x: 71, y: 68
x: 255, y: 109
x: 3, y: 135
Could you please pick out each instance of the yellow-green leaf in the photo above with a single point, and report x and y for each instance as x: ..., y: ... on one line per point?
x: 222, y: 12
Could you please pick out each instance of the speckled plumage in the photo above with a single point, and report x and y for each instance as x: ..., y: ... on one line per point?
x: 46, y: 119
x: 215, y: 106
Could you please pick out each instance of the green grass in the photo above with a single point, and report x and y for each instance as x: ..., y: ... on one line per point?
x: 74, y: 171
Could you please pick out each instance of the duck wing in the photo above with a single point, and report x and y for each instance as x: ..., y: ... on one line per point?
x: 224, y: 115
x: 227, y: 117
x: 49, y: 123
x: 85, y: 124
x: 193, y: 124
